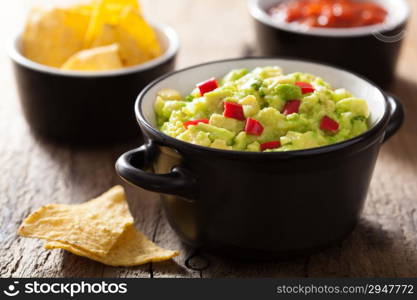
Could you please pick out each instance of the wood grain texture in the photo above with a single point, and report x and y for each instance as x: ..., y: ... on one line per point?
x: 35, y: 172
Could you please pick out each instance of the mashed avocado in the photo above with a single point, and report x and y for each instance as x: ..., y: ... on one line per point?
x: 262, y: 110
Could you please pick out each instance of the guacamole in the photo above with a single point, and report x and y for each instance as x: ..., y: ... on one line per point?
x: 262, y: 110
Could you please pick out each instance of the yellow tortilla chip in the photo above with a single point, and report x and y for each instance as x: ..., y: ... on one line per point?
x: 138, y: 42
x: 51, y: 37
x: 131, y: 249
x: 105, y: 13
x: 95, y: 59
x: 93, y: 226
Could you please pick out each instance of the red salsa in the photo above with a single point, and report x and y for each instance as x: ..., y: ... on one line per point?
x: 330, y: 13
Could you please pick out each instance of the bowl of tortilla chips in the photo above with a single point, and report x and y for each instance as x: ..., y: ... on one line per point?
x: 79, y: 69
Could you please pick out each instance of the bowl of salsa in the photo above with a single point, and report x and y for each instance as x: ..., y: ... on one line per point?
x: 364, y: 36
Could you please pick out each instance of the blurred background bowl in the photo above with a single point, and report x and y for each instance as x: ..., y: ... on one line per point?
x: 87, y: 108
x: 371, y: 50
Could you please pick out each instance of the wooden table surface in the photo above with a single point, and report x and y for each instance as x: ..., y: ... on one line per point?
x: 34, y: 173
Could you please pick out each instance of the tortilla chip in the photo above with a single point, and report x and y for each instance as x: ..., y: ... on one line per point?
x: 95, y: 59
x: 52, y: 36
x: 131, y: 249
x: 93, y: 226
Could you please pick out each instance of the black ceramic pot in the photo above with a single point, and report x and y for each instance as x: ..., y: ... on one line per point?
x: 371, y: 51
x: 259, y: 205
x: 86, y: 108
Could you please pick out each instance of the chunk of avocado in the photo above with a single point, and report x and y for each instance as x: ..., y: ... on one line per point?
x: 214, y: 99
x: 271, y: 117
x: 296, y: 141
x: 164, y: 108
x: 195, y: 136
x: 255, y: 147
x: 250, y: 105
x: 169, y: 94
x: 340, y: 94
x: 197, y: 109
x: 220, y: 144
x: 235, y: 75
x: 242, y: 140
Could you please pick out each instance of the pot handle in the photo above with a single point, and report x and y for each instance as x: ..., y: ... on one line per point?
x: 130, y: 167
x: 397, y: 117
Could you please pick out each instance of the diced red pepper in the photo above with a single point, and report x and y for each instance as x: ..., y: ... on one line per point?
x: 253, y: 127
x: 291, y: 106
x: 305, y: 87
x: 329, y: 124
x: 195, y: 122
x: 207, y: 86
x: 270, y: 145
x: 234, y: 111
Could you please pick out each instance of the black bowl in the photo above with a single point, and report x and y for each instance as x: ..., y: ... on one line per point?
x: 371, y: 51
x: 259, y: 205
x: 86, y: 108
